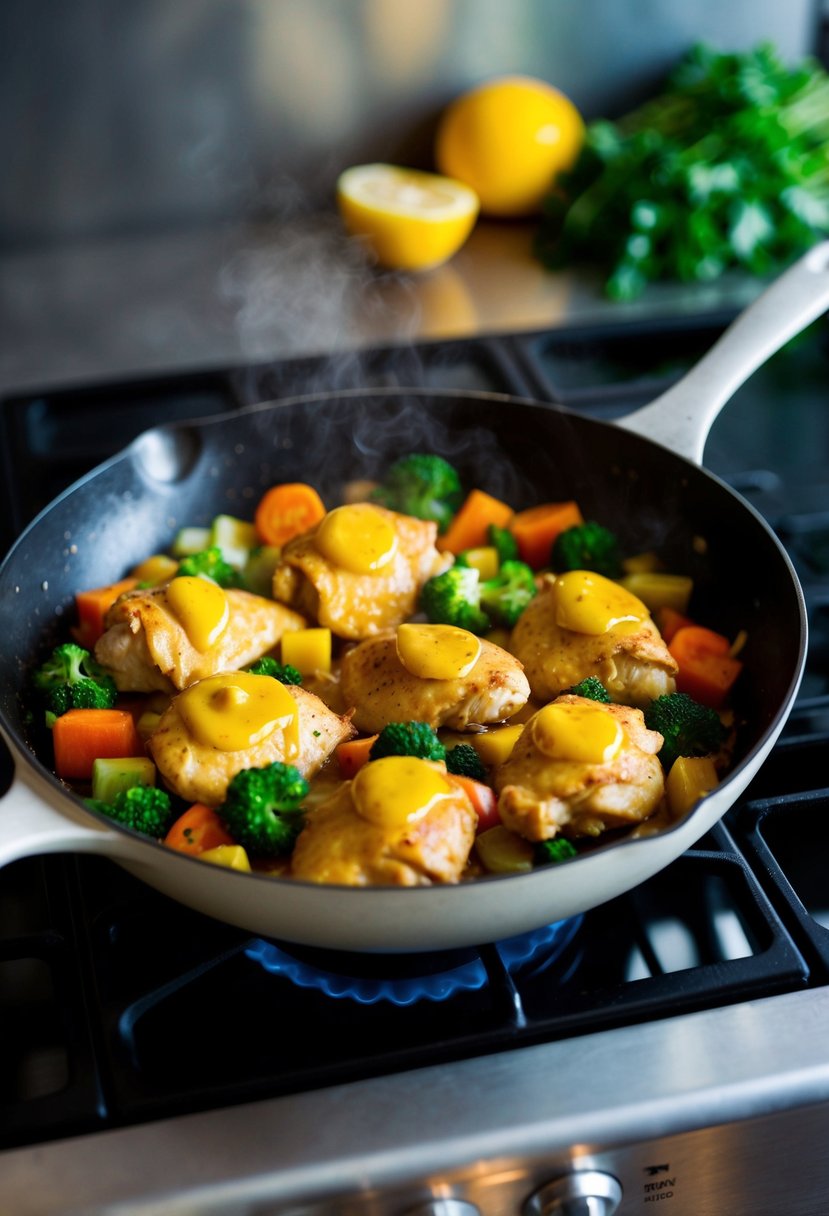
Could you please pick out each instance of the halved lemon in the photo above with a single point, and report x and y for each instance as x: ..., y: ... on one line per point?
x: 410, y: 220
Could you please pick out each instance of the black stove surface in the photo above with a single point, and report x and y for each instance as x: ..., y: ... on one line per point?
x: 124, y: 1006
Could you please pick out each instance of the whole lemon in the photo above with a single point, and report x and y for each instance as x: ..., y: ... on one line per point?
x: 507, y: 139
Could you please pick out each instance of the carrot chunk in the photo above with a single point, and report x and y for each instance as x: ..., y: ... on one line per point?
x: 706, y: 669
x: 92, y: 607
x: 536, y: 528
x: 353, y: 754
x: 468, y: 529
x: 669, y: 621
x: 286, y: 511
x: 198, y: 830
x: 82, y: 736
x: 483, y: 799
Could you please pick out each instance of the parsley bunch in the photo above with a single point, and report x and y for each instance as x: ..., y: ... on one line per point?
x: 728, y: 167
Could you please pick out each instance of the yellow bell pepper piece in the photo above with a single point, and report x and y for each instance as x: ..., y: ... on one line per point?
x: 232, y: 856
x: 690, y: 778
x: 484, y: 560
x: 309, y: 650
x: 657, y: 590
x: 495, y: 746
x: 502, y: 852
x: 156, y: 569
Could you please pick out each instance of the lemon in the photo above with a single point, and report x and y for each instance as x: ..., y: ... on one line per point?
x: 410, y: 220
x: 507, y: 139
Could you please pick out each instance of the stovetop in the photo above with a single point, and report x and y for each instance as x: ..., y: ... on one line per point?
x: 126, y: 1008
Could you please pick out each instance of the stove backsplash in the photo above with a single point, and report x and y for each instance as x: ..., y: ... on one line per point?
x: 151, y: 115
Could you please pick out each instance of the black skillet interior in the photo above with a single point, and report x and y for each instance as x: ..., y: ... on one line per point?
x: 522, y: 452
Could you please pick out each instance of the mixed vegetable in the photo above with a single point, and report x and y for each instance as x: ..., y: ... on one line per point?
x: 497, y: 561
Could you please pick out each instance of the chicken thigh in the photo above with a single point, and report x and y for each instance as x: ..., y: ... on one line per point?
x: 341, y: 844
x: 197, y: 761
x: 580, y: 767
x: 146, y: 645
x: 631, y: 660
x: 380, y: 689
x: 360, y: 571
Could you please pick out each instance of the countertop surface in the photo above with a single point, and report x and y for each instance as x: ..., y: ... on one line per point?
x: 215, y: 297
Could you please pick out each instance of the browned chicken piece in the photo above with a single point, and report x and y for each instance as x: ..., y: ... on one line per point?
x: 374, y: 682
x: 337, y: 845
x: 540, y: 796
x: 200, y: 773
x: 635, y: 667
x: 359, y: 605
x: 146, y: 647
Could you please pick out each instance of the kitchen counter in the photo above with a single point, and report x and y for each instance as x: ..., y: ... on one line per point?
x: 214, y: 297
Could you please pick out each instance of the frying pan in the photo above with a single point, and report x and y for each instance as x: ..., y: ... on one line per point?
x: 640, y: 476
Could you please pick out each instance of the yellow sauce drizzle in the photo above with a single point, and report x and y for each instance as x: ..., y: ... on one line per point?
x: 582, y: 733
x: 437, y: 652
x: 397, y: 790
x: 357, y: 537
x: 236, y: 710
x: 590, y: 603
x: 200, y: 607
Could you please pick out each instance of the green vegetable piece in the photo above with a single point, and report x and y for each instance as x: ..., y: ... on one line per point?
x: 464, y: 761
x: 423, y: 485
x: 234, y: 537
x: 143, y: 808
x: 503, y: 541
x: 267, y: 666
x: 591, y: 688
x: 71, y: 679
x: 453, y: 598
x: 190, y: 540
x: 550, y: 852
x: 506, y: 596
x: 210, y: 563
x: 687, y: 728
x: 262, y: 809
x: 407, y: 739
x: 111, y: 777
x: 259, y: 569
x: 587, y: 546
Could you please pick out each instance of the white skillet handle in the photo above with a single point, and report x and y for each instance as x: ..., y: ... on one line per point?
x: 681, y: 418
x: 37, y: 818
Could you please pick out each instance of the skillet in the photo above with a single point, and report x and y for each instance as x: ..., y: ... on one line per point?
x: 640, y: 476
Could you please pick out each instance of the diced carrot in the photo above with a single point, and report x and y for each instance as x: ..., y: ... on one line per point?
x: 483, y: 799
x: 468, y: 529
x: 197, y: 830
x: 536, y: 528
x: 668, y: 621
x: 353, y: 754
x: 286, y: 511
x: 82, y: 736
x: 706, y: 669
x: 92, y: 608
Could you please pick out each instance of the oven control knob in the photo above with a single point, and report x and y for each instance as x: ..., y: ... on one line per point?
x: 445, y: 1207
x: 584, y: 1193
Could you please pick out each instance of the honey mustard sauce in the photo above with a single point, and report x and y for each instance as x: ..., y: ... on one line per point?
x: 590, y: 603
x: 437, y: 652
x: 358, y: 537
x: 200, y: 607
x: 236, y: 710
x: 583, y: 733
x: 398, y: 790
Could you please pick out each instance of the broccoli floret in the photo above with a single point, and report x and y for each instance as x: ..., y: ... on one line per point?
x: 262, y: 808
x: 592, y: 688
x: 506, y: 596
x: 211, y: 563
x: 407, y: 739
x: 688, y: 728
x: 71, y: 679
x: 422, y: 485
x: 464, y: 761
x: 284, y: 672
x: 453, y: 598
x: 144, y: 808
x: 549, y: 852
x: 587, y: 546
x: 504, y: 542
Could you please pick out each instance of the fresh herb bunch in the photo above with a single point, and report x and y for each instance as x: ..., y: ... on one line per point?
x: 728, y: 167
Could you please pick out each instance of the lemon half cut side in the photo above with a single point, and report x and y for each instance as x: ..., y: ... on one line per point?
x: 409, y: 219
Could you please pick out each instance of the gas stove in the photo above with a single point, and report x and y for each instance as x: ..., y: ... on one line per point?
x: 668, y: 1047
